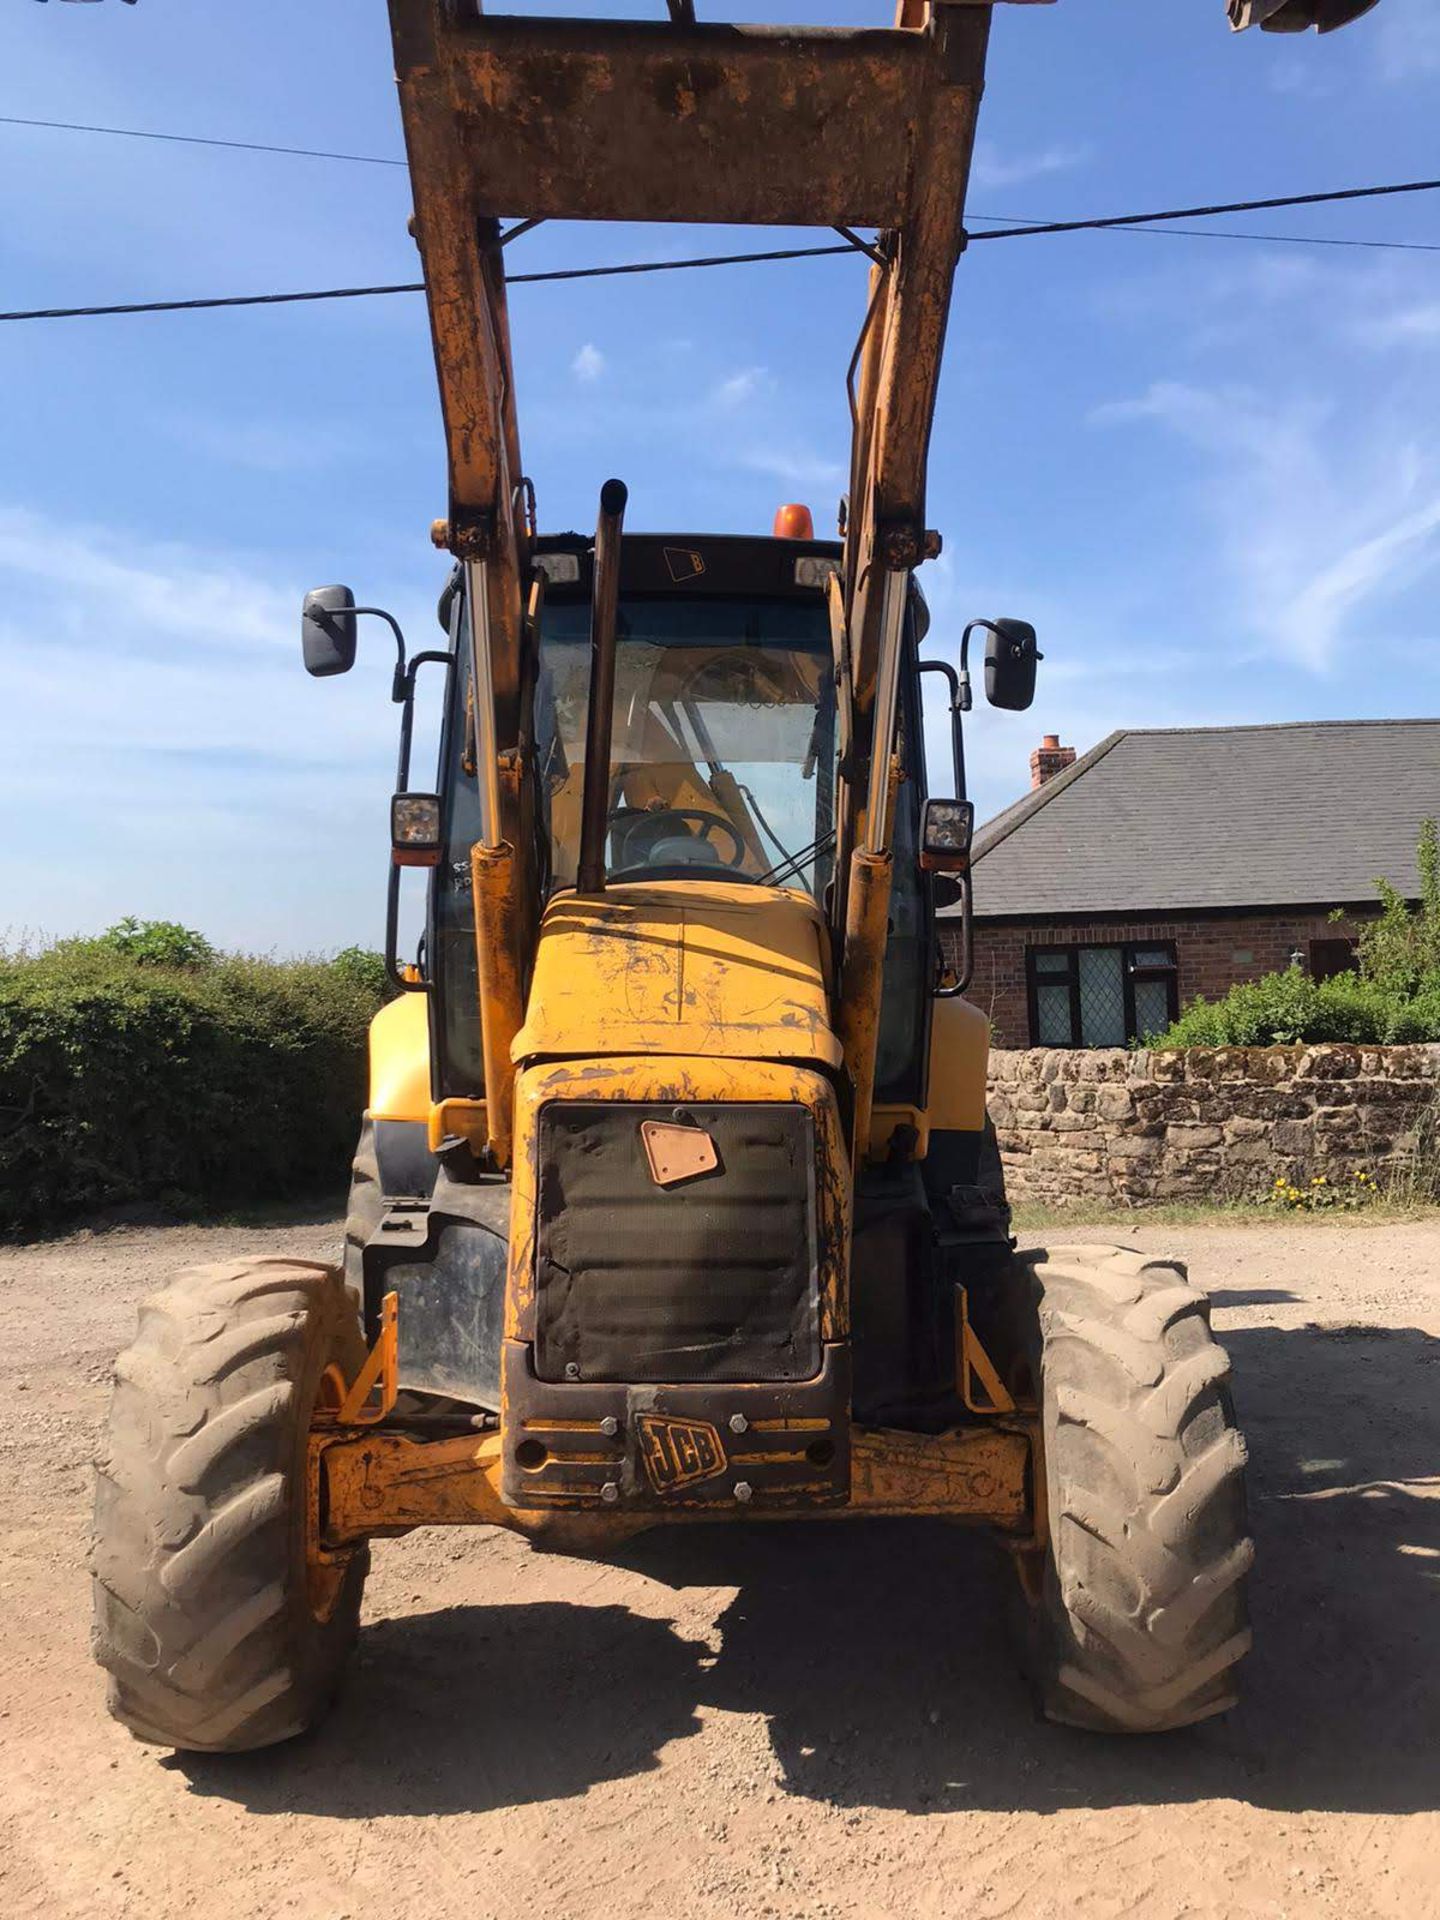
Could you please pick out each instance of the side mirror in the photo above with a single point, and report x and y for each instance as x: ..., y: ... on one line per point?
x: 1011, y: 656
x: 328, y: 631
x: 1293, y: 16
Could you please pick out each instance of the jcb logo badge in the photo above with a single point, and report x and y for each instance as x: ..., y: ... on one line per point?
x: 678, y: 1453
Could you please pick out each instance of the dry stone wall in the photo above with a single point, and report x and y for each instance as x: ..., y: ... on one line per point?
x: 1208, y: 1123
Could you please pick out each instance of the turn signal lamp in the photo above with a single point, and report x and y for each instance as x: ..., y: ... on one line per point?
x: 793, y: 522
x: 415, y: 829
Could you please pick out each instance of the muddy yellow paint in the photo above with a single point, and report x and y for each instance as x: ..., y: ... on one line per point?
x: 384, y: 1481
x: 681, y: 968
x: 959, y: 1062
x: 976, y: 1473
x: 400, y: 1060
x: 459, y: 1120
x: 862, y: 981
x: 493, y: 889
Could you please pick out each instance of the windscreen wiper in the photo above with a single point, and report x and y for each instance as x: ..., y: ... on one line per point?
x: 795, y: 861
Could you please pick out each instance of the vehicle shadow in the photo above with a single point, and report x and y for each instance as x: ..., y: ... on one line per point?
x: 877, y: 1652
x: 472, y: 1708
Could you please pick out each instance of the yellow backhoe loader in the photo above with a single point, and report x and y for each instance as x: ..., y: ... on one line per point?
x: 675, y: 1200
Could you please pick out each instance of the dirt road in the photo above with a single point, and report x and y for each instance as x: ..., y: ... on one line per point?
x: 816, y: 1722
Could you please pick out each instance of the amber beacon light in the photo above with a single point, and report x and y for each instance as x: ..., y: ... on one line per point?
x: 793, y: 522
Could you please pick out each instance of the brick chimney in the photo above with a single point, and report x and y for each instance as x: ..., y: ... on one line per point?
x: 1048, y: 759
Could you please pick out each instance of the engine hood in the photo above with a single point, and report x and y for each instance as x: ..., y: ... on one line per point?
x: 681, y: 967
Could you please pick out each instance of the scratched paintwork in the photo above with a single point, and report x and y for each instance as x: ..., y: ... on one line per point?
x: 387, y: 1482
x: 681, y: 967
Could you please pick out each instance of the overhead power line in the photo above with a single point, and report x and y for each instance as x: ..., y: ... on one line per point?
x: 387, y: 160
x: 1205, y: 213
x: 1229, y: 233
x: 1020, y: 223
x: 418, y: 286
x: 1139, y: 222
x: 202, y: 140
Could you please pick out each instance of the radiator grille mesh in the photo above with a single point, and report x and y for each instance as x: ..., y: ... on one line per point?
x: 714, y: 1279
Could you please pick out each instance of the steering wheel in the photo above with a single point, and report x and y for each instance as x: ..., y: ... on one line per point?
x: 628, y: 821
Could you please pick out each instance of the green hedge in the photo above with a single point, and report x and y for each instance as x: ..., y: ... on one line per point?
x: 209, y: 1084
x: 1287, y: 1008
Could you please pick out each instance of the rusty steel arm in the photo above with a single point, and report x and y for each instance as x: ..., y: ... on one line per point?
x: 534, y: 118
x: 679, y: 120
x: 700, y: 122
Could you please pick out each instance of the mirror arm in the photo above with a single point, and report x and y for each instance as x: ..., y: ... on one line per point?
x: 397, y: 685
x: 406, y: 697
x: 967, y: 946
x: 392, y: 930
x: 393, y: 971
x: 965, y: 700
x: 959, y: 685
x: 406, y: 682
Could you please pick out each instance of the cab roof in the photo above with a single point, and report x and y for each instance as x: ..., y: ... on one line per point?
x: 693, y: 563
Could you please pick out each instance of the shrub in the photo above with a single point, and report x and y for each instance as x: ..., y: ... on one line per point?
x: 1285, y: 1009
x: 156, y: 943
x: 1393, y: 999
x: 1401, y: 949
x: 366, y: 970
x: 208, y: 1082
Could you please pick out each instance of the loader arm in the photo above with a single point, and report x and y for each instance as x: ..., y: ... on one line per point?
x: 529, y: 119
x: 620, y: 120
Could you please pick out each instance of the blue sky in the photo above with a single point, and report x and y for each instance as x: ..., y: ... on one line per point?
x: 1208, y: 471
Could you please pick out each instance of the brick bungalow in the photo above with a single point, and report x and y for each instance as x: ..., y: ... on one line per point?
x: 1171, y: 862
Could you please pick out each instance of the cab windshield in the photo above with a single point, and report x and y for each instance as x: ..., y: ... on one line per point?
x: 722, y: 755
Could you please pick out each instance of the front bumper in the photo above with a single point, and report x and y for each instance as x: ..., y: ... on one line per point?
x: 383, y: 1482
x: 705, y: 1445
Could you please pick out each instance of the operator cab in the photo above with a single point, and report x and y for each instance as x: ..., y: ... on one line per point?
x: 724, y: 734
x: 722, y: 752
x: 723, y: 755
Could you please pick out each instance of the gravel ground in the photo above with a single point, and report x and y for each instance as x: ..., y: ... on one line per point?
x: 805, y: 1721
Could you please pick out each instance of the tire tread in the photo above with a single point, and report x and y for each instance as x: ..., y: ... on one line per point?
x: 201, y: 1618
x: 1141, y: 1619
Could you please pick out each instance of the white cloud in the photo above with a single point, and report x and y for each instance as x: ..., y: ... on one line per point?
x: 1402, y: 326
x: 796, y: 466
x: 588, y: 364
x: 163, y: 728
x: 1399, y: 553
x: 118, y: 591
x: 740, y: 387
x: 992, y: 169
x: 1321, y: 521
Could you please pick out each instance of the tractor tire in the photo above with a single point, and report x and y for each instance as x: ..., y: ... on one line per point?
x: 365, y: 1210
x: 1136, y: 1617
x: 204, y: 1618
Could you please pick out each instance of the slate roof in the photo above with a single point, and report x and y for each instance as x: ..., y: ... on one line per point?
x: 1207, y: 817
